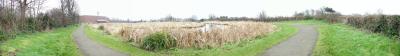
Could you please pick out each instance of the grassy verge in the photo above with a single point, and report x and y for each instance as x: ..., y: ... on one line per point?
x: 343, y: 40
x: 115, y: 43
x: 244, y: 48
x: 58, y: 42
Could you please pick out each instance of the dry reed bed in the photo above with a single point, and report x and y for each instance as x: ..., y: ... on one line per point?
x: 190, y: 34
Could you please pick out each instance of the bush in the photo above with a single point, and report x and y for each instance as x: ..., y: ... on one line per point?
x: 2, y: 36
x: 30, y: 26
x: 386, y: 24
x: 101, y: 27
x: 158, y: 41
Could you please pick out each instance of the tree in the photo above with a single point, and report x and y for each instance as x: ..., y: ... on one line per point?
x: 7, y: 19
x: 262, y: 16
x: 328, y: 9
x: 70, y: 11
x: 56, y: 15
x: 329, y: 14
x: 22, y: 9
x: 193, y: 18
x: 25, y: 5
x: 35, y: 8
x: 169, y: 18
x: 212, y: 17
x: 2, y: 4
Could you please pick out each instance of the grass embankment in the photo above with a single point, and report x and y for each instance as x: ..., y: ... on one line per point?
x: 244, y: 48
x: 343, y: 40
x: 58, y: 42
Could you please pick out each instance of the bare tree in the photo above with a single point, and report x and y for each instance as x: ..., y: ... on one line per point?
x: 212, y: 17
x: 21, y: 9
x: 262, y: 15
x: 193, y: 18
x: 169, y: 18
x: 2, y: 4
x: 7, y: 19
x: 36, y: 7
x: 70, y: 9
x: 25, y: 5
x: 56, y: 14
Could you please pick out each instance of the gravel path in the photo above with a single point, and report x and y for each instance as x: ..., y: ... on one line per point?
x: 91, y: 48
x: 301, y: 44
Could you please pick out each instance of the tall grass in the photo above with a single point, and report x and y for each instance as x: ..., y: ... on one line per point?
x: 189, y: 34
x: 242, y: 48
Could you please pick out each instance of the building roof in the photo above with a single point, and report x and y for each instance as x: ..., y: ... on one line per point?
x: 93, y: 19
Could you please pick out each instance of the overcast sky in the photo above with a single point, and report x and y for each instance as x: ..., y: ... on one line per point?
x: 154, y: 9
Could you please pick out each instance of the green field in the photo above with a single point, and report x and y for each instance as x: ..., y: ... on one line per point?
x: 58, y: 42
x: 245, y: 48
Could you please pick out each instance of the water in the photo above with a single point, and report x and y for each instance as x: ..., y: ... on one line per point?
x: 211, y: 26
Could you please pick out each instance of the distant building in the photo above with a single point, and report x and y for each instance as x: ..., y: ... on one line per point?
x: 102, y: 21
x: 94, y: 19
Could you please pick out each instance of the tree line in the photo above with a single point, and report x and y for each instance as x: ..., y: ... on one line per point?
x: 27, y: 16
x: 262, y: 17
x: 388, y: 25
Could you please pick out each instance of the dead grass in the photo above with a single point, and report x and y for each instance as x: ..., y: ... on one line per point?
x: 191, y: 34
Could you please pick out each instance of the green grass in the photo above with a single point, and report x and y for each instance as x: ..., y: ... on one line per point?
x: 343, y: 40
x: 115, y: 43
x: 58, y: 42
x: 244, y: 48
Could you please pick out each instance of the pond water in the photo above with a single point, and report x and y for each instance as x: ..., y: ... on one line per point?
x: 210, y: 26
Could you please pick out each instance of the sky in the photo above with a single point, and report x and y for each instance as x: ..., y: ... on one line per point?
x: 155, y: 9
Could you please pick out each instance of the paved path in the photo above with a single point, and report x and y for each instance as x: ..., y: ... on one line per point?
x: 91, y: 48
x: 301, y: 44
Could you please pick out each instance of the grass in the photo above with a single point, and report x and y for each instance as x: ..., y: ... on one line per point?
x: 245, y: 48
x: 115, y: 43
x: 343, y: 40
x: 58, y: 42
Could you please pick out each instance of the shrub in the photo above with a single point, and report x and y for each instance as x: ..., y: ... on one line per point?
x: 2, y: 36
x: 101, y: 27
x: 44, y: 22
x: 158, y: 41
x: 30, y: 25
x: 386, y: 24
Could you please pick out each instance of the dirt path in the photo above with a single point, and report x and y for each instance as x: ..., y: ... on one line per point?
x: 91, y: 48
x: 301, y: 44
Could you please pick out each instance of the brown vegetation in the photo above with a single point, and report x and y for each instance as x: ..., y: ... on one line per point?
x: 191, y: 34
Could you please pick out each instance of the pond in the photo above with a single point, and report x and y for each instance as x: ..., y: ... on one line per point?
x: 211, y: 26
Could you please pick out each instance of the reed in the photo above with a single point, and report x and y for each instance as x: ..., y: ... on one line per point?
x: 191, y: 34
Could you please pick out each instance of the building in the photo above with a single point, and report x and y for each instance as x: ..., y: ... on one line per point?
x: 94, y: 19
